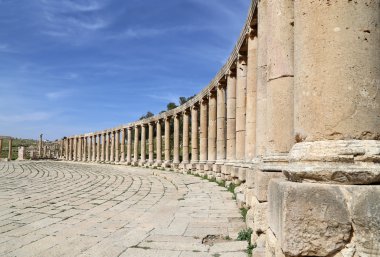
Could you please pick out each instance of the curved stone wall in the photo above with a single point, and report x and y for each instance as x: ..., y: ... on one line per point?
x: 292, y: 117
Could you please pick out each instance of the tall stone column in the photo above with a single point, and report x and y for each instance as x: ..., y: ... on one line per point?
x: 117, y: 145
x: 10, y: 149
x: 250, y: 122
x: 108, y: 138
x: 261, y: 90
x: 94, y: 148
x: 241, y: 89
x: 158, y: 143
x: 89, y: 147
x: 143, y: 144
x: 176, y: 140
x: 221, y: 124
x: 103, y: 155
x: 167, y: 140
x: 40, y: 146
x: 70, y: 154
x: 66, y: 149
x: 122, y: 145
x: 98, y: 147
x: 280, y: 78
x: 203, y: 132
x: 231, y: 116
x: 151, y: 146
x: 194, y: 134
x: 185, y: 137
x: 112, y: 154
x: 129, y: 145
x: 136, y: 146
x: 212, y: 129
x: 80, y: 142
x: 75, y: 149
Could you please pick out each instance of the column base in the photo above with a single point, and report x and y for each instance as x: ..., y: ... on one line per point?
x: 350, y: 162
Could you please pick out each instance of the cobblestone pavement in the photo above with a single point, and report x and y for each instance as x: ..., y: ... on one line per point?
x: 72, y: 209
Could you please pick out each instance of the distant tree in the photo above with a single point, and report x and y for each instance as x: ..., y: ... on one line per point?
x: 182, y: 100
x: 171, y: 106
x: 147, y: 115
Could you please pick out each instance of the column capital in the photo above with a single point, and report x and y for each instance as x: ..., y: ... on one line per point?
x: 222, y: 85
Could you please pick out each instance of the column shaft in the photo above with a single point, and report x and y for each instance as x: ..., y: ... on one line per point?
x: 203, y: 132
x: 112, y: 155
x: 122, y: 145
x: 241, y: 87
x: 108, y: 147
x: 117, y: 146
x: 136, y: 146
x: 143, y: 144
x: 103, y: 156
x: 80, y: 149
x: 158, y: 142
x: 94, y: 148
x: 75, y: 149
x: 221, y: 123
x: 185, y: 137
x: 167, y: 140
x: 231, y: 116
x: 194, y: 134
x: 212, y: 128
x: 151, y: 149
x: 129, y: 146
x: 176, y: 140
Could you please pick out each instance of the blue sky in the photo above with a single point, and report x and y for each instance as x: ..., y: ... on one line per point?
x: 71, y: 67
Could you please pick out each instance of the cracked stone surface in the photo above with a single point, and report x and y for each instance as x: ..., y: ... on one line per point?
x: 72, y: 209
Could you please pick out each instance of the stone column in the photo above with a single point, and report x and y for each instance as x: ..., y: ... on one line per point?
x: 112, y: 154
x: 129, y: 145
x: 117, y: 146
x: 241, y: 88
x: 122, y: 145
x: 185, y: 137
x: 89, y: 147
x: 108, y: 138
x: 221, y: 124
x: 194, y: 134
x: 80, y: 142
x: 261, y: 100
x: 211, y: 139
x: 1, y: 148
x: 10, y: 149
x: 151, y: 147
x: 167, y: 140
x: 40, y: 145
x: 143, y: 144
x: 158, y: 143
x: 94, y: 148
x: 136, y: 146
x: 203, y: 132
x: 250, y: 122
x: 103, y: 155
x: 280, y: 78
x: 75, y: 149
x: 176, y: 160
x: 70, y: 154
x: 98, y: 147
x: 231, y: 116
x: 84, y: 149
x: 66, y: 149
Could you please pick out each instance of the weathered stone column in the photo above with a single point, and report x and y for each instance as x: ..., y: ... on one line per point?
x: 117, y: 145
x: 167, y: 141
x: 112, y: 155
x: 241, y: 88
x: 84, y: 154
x: 40, y: 145
x: 151, y: 149
x: 103, y: 155
x: 108, y: 138
x: 176, y: 140
x: 122, y: 145
x: 10, y: 149
x: 80, y: 143
x: 211, y: 139
x: 231, y: 116
x: 280, y: 78
x: 194, y: 134
x: 158, y: 143
x: 94, y: 148
x: 66, y: 150
x: 129, y: 145
x: 89, y: 146
x: 70, y: 154
x: 143, y: 144
x: 203, y: 133
x: 136, y: 146
x: 221, y: 126
x: 75, y: 149
x: 261, y: 100
x: 250, y: 122
x: 98, y: 148
x: 185, y: 137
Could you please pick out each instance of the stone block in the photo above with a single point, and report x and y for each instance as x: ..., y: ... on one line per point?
x: 260, y: 217
x: 308, y: 219
x: 242, y: 172
x: 261, y: 182
x: 272, y: 246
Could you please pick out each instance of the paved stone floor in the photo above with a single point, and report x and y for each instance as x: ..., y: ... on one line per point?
x: 72, y: 209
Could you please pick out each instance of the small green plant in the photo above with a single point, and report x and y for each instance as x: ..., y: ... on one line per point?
x: 245, y: 235
x: 244, y: 212
x: 222, y: 183
x: 231, y: 188
x: 216, y: 255
x: 250, y: 248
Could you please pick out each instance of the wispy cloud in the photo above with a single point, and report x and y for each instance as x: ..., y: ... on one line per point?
x: 34, y: 116
x: 5, y: 48
x: 167, y: 97
x: 57, y: 94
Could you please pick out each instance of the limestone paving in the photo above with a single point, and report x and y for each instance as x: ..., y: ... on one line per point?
x: 70, y: 209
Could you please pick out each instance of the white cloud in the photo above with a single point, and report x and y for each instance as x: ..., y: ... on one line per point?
x: 57, y: 94
x: 18, y: 118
